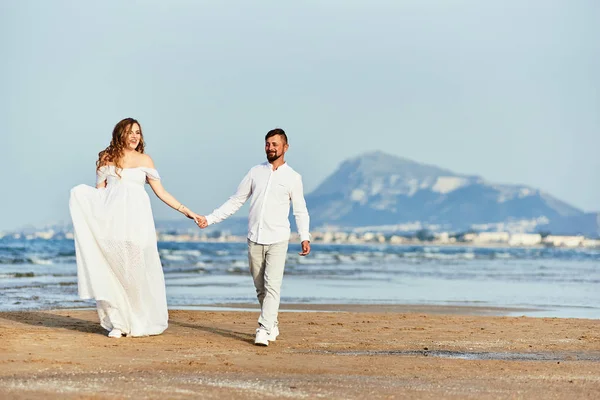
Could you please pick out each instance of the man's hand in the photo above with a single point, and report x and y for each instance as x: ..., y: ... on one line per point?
x: 201, y: 221
x: 305, y: 248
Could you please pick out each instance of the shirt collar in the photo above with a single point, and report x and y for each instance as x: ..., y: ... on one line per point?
x: 268, y: 165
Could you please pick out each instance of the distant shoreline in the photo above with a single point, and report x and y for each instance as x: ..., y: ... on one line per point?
x: 566, y: 242
x: 387, y: 308
x: 447, y: 309
x: 407, y: 244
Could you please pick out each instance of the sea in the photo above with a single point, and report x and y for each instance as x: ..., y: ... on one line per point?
x: 540, y: 282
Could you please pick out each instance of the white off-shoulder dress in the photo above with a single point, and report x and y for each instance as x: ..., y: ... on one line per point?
x: 117, y: 255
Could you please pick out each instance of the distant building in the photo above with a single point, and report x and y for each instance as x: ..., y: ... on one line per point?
x: 564, y: 241
x: 352, y: 238
x: 368, y: 236
x: 487, y: 237
x: 444, y: 237
x: 395, y: 239
x: 525, y: 239
x: 44, y: 235
x: 469, y: 237
x: 591, y: 243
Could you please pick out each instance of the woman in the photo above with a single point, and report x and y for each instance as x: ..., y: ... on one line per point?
x: 115, y: 239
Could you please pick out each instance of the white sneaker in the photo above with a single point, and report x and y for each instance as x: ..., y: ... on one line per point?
x: 274, y: 333
x: 115, y: 333
x: 262, y: 337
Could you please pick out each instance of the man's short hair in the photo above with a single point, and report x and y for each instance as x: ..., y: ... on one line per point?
x: 277, y: 131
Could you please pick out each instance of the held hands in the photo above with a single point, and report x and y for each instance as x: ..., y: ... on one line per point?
x: 201, y: 221
x: 305, y: 248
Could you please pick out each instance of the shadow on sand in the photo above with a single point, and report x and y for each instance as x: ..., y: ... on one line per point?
x: 244, y: 337
x: 48, y: 320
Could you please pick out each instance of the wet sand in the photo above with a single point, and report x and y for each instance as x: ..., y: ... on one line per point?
x: 354, y: 352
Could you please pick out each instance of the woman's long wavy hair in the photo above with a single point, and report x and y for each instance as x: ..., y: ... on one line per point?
x: 114, y: 152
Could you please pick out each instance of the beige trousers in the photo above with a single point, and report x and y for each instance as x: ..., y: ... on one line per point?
x: 267, y: 262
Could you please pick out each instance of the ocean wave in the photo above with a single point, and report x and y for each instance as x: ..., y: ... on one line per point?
x: 16, y: 260
x: 187, y: 270
x: 23, y: 275
x: 17, y: 275
x: 173, y: 257
x: 237, y: 270
x: 63, y: 252
x: 40, y: 261
x: 501, y: 255
x: 180, y: 252
x: 192, y: 253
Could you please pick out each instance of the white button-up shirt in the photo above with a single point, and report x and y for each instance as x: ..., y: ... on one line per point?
x: 271, y: 192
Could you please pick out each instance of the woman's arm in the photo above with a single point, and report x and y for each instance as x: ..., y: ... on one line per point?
x: 170, y: 200
x: 165, y: 196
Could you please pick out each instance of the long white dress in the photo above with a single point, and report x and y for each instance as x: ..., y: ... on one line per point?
x: 117, y: 255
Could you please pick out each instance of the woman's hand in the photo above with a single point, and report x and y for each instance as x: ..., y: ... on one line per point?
x: 190, y: 214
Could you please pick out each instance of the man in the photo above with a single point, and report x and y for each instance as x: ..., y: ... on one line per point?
x: 271, y: 186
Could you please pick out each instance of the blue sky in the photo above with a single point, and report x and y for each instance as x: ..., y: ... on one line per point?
x: 508, y: 90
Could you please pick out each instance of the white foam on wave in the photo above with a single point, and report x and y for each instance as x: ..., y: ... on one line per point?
x: 410, y: 254
x: 343, y: 258
x: 321, y: 255
x: 308, y: 261
x: 361, y: 259
x: 439, y: 256
x: 502, y: 255
x: 195, y: 253
x: 239, y: 263
x: 40, y: 261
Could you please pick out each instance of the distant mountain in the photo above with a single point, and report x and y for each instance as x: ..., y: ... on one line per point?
x: 387, y: 193
x: 378, y: 189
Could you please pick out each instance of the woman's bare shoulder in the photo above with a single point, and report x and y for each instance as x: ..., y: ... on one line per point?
x: 146, y: 161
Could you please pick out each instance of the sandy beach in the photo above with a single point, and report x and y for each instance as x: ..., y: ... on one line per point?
x: 340, y: 352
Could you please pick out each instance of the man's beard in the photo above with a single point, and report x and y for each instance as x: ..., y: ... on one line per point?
x: 273, y: 156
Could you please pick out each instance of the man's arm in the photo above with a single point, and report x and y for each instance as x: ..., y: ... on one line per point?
x: 231, y: 206
x: 301, y: 215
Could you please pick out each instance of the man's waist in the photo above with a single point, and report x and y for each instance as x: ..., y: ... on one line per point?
x: 269, y: 231
x: 268, y: 236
